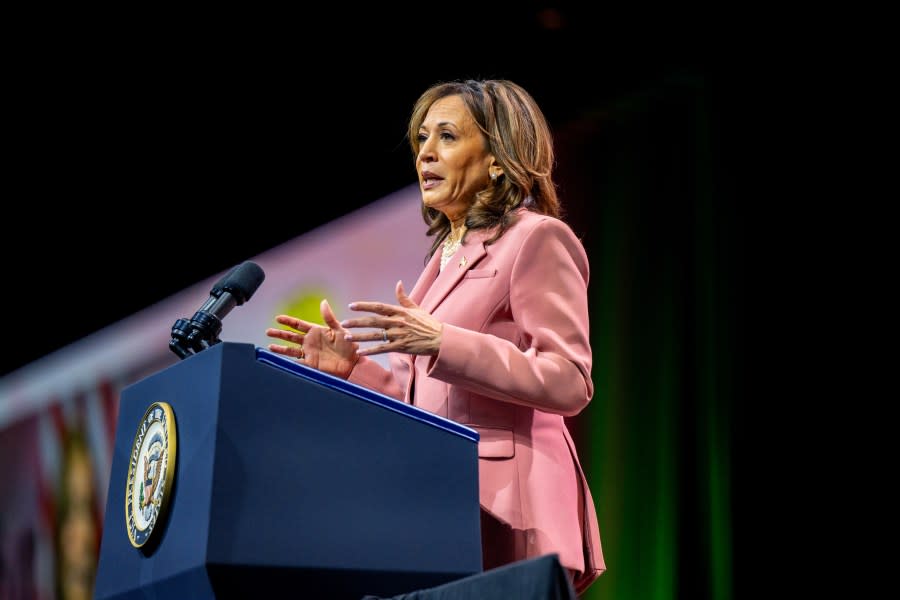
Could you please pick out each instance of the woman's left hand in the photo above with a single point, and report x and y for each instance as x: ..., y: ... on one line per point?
x: 405, y: 328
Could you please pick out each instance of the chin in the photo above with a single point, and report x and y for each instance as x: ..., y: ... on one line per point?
x: 430, y: 201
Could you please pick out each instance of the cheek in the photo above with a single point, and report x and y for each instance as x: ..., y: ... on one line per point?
x: 476, y: 176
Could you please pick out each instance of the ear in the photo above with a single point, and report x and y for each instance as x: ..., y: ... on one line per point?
x: 495, y: 171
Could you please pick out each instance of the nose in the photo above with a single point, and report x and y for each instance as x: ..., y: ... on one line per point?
x: 426, y: 151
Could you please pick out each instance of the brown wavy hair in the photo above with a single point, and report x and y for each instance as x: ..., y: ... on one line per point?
x: 517, y: 134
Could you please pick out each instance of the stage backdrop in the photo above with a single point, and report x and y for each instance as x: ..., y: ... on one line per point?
x: 58, y: 414
x: 648, y: 180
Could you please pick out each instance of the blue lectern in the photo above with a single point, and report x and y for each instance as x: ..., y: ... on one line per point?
x: 286, y: 482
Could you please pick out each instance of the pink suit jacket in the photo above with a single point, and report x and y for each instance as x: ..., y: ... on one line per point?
x: 514, y: 359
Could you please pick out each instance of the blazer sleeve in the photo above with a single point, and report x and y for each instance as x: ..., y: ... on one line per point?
x: 368, y: 373
x: 549, y: 366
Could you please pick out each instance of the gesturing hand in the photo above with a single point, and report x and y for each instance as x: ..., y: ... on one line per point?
x: 400, y: 328
x: 323, y: 348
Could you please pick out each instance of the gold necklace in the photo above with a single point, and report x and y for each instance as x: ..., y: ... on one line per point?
x: 451, y: 245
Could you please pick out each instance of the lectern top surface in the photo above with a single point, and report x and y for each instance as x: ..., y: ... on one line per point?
x: 280, y: 362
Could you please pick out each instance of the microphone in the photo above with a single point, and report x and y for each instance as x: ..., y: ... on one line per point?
x: 201, y: 331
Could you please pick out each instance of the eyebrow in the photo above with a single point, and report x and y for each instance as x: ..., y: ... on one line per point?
x: 441, y: 124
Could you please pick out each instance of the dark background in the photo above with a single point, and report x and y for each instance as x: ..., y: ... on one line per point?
x: 151, y: 151
x: 157, y: 151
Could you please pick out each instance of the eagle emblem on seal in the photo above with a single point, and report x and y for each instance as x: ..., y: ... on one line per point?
x: 151, y: 470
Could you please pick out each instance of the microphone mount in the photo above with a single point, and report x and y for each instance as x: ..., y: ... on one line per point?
x: 190, y: 336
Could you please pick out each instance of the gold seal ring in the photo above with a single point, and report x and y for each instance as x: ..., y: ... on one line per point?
x: 302, y: 353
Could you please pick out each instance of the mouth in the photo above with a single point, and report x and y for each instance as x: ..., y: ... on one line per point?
x: 430, y: 180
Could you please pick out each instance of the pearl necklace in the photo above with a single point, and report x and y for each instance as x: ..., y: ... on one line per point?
x: 450, y: 247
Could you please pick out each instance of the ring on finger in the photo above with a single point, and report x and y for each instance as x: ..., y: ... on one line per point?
x: 384, y: 335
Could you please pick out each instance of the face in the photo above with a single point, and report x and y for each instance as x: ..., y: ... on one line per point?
x: 453, y: 158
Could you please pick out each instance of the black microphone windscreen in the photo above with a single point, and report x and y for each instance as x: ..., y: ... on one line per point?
x: 243, y: 281
x: 219, y: 286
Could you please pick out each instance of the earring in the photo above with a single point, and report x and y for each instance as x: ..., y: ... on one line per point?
x: 493, y: 177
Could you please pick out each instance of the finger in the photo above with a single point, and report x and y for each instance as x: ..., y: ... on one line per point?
x: 402, y: 298
x: 283, y: 350
x: 374, y: 307
x: 380, y: 349
x: 294, y: 322
x: 378, y: 323
x: 284, y: 334
x: 379, y: 335
x: 328, y: 315
x: 296, y: 352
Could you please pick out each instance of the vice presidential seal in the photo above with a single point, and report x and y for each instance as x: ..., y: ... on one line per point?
x: 151, y: 470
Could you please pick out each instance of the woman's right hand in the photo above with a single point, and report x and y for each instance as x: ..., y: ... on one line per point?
x: 322, y: 348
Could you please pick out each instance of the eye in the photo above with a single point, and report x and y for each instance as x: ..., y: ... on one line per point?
x: 422, y: 137
x: 446, y: 135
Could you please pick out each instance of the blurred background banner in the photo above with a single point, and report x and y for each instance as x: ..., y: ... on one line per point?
x: 58, y: 414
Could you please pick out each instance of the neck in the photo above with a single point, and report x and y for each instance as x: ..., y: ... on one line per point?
x: 457, y: 230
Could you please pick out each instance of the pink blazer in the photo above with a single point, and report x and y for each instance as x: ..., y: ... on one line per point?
x: 515, y: 359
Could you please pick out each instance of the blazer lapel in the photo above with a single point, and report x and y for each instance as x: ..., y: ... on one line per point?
x: 426, y: 279
x: 468, y: 255
x: 433, y: 286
